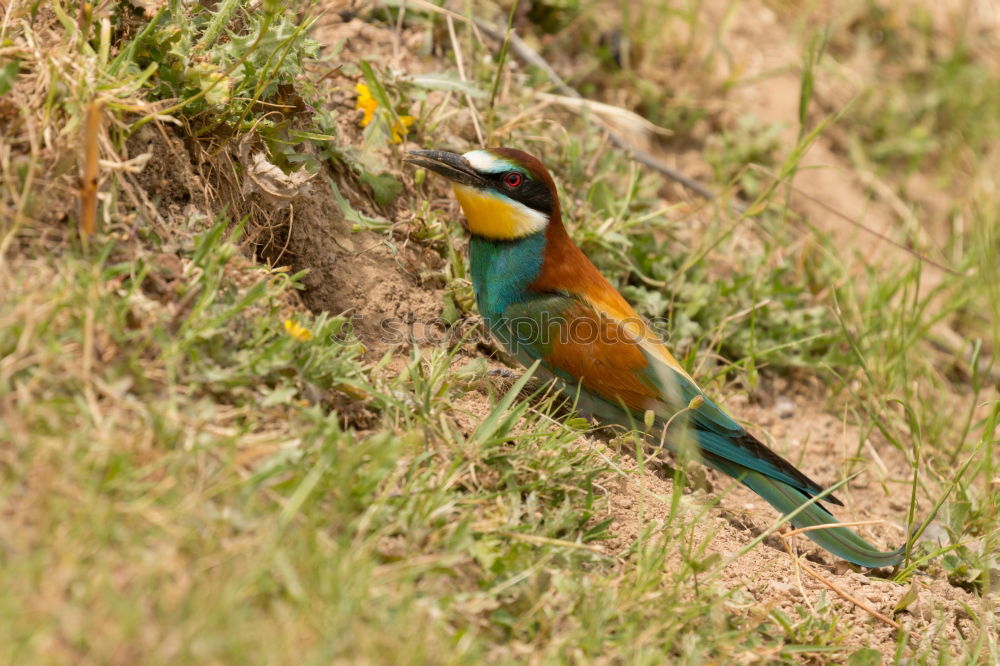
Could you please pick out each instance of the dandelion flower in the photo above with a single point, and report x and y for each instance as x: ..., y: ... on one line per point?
x: 402, y: 128
x: 366, y: 102
x: 297, y: 331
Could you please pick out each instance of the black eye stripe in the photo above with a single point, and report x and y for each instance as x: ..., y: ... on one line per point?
x: 532, y: 193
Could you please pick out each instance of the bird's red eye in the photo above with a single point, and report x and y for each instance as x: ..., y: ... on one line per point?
x: 513, y: 179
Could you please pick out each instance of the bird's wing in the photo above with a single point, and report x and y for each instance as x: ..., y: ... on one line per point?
x: 618, y: 361
x: 612, y: 362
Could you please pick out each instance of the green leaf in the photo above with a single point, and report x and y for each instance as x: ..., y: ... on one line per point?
x: 450, y: 313
x: 375, y: 87
x: 865, y: 657
x: 385, y: 188
x: 698, y: 566
x: 8, y: 74
x: 473, y: 370
x: 446, y: 81
x: 386, y: 111
x: 355, y: 217
x: 279, y: 396
x: 906, y: 599
x: 303, y: 135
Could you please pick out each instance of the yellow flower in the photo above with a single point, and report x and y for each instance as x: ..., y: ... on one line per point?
x: 297, y: 331
x: 402, y: 128
x: 368, y: 104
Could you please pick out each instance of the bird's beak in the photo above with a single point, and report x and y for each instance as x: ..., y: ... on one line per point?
x: 453, y: 167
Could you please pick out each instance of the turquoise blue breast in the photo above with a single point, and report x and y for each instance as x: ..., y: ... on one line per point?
x: 501, y: 272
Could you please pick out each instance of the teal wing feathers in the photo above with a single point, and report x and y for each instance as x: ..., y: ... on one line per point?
x: 617, y: 378
x: 612, y: 369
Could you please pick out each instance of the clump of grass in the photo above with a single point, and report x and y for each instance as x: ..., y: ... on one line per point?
x: 747, y: 142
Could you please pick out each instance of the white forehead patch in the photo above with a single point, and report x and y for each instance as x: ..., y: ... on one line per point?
x: 484, y: 160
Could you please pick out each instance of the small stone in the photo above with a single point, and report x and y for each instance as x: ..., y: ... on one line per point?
x: 935, y: 534
x: 784, y: 407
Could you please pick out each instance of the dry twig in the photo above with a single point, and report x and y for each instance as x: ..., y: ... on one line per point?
x: 785, y: 541
x: 91, y: 169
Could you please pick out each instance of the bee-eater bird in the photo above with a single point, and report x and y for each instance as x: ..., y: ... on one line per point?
x: 545, y: 301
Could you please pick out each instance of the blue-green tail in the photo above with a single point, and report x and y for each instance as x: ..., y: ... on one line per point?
x: 722, y: 443
x: 840, y: 541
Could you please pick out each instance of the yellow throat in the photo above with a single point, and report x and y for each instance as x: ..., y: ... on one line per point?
x: 497, y: 217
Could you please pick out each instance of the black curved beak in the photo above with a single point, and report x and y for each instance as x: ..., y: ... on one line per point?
x: 450, y: 165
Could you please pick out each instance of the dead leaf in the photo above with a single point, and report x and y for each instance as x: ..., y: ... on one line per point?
x: 275, y: 187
